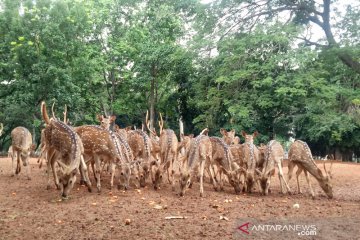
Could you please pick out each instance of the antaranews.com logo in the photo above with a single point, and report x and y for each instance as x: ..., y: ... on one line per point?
x: 253, y: 227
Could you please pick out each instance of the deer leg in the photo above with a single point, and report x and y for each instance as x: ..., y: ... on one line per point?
x: 112, y: 167
x: 308, y: 181
x: 84, y: 174
x: 98, y: 172
x: 210, y: 169
x: 298, y: 172
x: 48, y: 165
x: 56, y: 179
x: 12, y: 164
x: 221, y: 183
x: 28, y: 168
x: 18, y: 166
x: 202, y: 166
x: 282, y: 179
x: 92, y: 162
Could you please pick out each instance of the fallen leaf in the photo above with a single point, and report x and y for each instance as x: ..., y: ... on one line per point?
x: 224, y: 218
x: 175, y: 217
x: 158, y: 207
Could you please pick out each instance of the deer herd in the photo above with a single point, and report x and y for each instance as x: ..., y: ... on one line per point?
x: 132, y: 156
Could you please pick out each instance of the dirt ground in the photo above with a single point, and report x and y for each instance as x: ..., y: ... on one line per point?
x: 29, y: 211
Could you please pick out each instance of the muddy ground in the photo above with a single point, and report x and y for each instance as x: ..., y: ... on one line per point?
x: 29, y: 211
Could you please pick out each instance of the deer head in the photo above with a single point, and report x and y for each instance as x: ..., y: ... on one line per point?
x: 67, y: 179
x: 234, y: 177
x: 228, y: 136
x: 325, y: 183
x: 185, y: 181
x: 105, y: 122
x: 249, y: 138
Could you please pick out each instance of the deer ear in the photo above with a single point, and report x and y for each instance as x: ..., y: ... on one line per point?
x: 255, y: 134
x: 243, y: 133
x: 223, y: 132
x: 191, y: 135
x: 232, y: 132
x: 128, y: 128
x: 112, y: 118
x: 99, y: 117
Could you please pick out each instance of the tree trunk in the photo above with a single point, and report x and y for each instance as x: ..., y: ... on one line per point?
x: 338, y: 154
x: 152, y: 96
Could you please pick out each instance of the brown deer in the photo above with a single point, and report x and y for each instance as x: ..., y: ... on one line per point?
x: 251, y: 158
x: 223, y: 159
x: 228, y: 137
x: 122, y: 149
x: 199, y: 156
x: 300, y: 156
x: 168, y: 155
x: 274, y: 155
x: 65, y: 147
x: 141, y: 147
x: 21, y: 142
x: 98, y: 145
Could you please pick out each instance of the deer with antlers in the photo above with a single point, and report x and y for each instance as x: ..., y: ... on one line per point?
x: 168, y: 155
x: 64, y: 147
x: 223, y: 159
x: 21, y: 142
x: 251, y: 158
x: 273, y: 157
x: 300, y: 156
x: 198, y: 157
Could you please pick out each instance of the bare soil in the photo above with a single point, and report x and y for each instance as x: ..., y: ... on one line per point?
x: 29, y: 211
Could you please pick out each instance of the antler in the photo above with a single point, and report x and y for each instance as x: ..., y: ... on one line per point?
x: 148, y: 124
x: 161, y: 123
x: 205, y: 131
x: 65, y: 112
x: 52, y: 110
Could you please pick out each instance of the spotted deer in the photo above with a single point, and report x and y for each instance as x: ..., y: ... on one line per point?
x: 21, y: 142
x: 198, y: 157
x: 64, y: 147
x: 274, y: 155
x: 251, y: 158
x: 122, y: 148
x: 99, y: 145
x: 300, y: 156
x: 223, y: 159
x: 141, y: 147
x: 168, y: 155
x: 183, y: 148
x: 228, y: 137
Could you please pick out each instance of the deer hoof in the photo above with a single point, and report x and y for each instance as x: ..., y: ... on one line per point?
x: 48, y: 187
